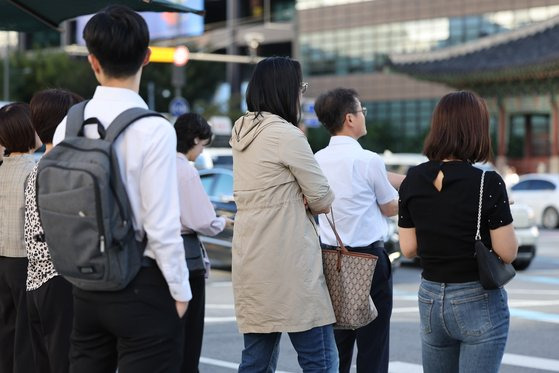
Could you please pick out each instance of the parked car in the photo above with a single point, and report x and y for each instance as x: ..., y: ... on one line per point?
x: 524, y: 217
x: 541, y: 193
x: 401, y: 162
x: 214, y: 157
x: 218, y: 183
x: 527, y: 234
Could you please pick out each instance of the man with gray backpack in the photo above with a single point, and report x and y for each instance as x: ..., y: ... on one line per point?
x: 108, y: 202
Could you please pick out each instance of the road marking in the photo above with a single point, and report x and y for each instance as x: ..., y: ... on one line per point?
x: 220, y: 284
x: 531, y: 362
x: 230, y: 307
x: 532, y: 303
x: 218, y: 320
x: 524, y: 361
x: 535, y: 315
x: 225, y: 364
x: 218, y: 363
x: 401, y: 367
x: 540, y: 279
x: 221, y: 306
x: 406, y: 297
x: 533, y: 291
x: 405, y: 310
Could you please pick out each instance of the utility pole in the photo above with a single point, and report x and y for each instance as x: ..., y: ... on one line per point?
x: 7, y: 67
x: 233, y: 69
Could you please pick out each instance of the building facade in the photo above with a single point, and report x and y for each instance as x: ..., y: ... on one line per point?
x: 354, y: 43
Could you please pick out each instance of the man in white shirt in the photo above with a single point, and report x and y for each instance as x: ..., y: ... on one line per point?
x: 138, y: 328
x: 364, y: 197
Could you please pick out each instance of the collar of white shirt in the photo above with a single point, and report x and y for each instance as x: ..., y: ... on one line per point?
x: 344, y: 140
x: 119, y: 94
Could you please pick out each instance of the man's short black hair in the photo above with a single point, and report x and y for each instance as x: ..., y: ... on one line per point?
x: 189, y: 127
x: 331, y: 108
x: 119, y: 38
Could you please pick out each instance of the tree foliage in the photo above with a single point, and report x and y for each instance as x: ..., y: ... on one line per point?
x: 380, y: 136
x: 30, y: 73
x: 38, y: 70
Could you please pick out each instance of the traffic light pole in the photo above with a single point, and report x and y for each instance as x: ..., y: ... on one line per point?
x: 233, y: 69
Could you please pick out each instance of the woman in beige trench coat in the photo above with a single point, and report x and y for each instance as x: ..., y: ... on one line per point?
x: 277, y: 265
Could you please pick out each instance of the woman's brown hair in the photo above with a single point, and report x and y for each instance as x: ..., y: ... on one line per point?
x: 459, y: 129
x: 16, y: 129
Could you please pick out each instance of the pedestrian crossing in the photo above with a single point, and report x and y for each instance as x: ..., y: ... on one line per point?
x: 521, y: 361
x: 527, y: 302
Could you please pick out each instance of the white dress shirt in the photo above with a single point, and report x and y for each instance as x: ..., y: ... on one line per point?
x: 197, y: 212
x: 360, y: 184
x: 146, y: 153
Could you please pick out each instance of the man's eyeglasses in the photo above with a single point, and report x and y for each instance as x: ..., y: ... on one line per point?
x: 304, y: 86
x: 363, y: 110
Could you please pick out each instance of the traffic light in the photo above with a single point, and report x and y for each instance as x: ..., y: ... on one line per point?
x: 178, y: 56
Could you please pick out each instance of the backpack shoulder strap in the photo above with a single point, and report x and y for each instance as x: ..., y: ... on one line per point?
x: 75, y: 119
x: 124, y: 119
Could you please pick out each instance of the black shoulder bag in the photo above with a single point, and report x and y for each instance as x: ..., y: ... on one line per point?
x: 194, y: 252
x: 493, y: 272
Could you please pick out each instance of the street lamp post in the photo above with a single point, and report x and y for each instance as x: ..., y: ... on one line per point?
x: 233, y: 70
x: 7, y: 67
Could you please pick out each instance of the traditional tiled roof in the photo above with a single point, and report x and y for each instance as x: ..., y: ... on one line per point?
x: 529, y: 53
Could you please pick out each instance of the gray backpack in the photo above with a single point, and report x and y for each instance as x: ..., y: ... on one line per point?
x: 84, y: 207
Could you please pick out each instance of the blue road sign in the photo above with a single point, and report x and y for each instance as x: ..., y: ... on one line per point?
x: 178, y: 106
x: 309, y: 117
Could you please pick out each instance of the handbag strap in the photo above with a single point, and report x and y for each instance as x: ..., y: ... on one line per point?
x: 333, y: 226
x: 478, y: 235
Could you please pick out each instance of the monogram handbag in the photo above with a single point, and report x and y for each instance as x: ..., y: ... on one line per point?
x: 349, y: 276
x: 493, y: 272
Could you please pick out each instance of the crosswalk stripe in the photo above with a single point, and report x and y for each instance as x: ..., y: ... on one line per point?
x: 535, y: 315
x: 540, y: 279
x: 524, y: 361
x: 401, y: 367
x: 217, y: 320
x: 225, y: 364
x: 550, y: 365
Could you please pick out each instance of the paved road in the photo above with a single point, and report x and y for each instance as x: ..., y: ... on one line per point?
x: 533, y: 340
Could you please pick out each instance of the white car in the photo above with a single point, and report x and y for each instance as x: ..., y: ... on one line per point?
x: 541, y: 193
x: 524, y: 217
x: 214, y: 157
x: 527, y: 234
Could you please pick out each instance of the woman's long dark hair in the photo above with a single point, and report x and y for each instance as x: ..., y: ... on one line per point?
x: 275, y: 87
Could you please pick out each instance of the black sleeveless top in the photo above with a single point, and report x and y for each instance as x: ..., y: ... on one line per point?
x: 445, y: 221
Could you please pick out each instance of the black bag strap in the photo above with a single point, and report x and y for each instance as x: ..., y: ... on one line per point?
x: 126, y: 118
x: 478, y: 235
x: 75, y: 121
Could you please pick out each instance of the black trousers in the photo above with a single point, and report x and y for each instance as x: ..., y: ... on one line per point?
x: 194, y: 323
x: 50, y: 318
x: 137, y: 328
x: 16, y: 354
x: 373, y: 339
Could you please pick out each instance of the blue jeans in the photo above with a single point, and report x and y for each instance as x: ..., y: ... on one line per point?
x: 316, y: 351
x: 464, y: 327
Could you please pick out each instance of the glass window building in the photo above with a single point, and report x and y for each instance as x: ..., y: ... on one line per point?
x: 350, y: 43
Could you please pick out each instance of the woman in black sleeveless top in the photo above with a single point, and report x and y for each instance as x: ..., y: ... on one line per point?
x: 464, y: 327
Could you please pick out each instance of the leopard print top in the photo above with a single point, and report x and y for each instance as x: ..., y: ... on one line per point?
x: 39, y: 268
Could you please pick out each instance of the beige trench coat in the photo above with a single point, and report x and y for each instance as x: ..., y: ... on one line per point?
x: 278, y: 281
